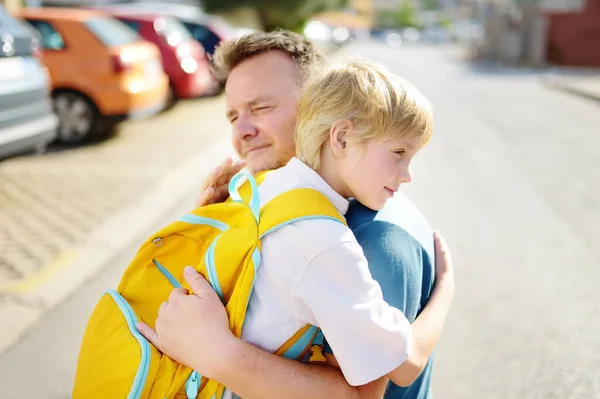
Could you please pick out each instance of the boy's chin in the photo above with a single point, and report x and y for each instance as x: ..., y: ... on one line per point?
x: 375, y: 205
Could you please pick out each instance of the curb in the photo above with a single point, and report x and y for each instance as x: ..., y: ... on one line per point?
x: 24, y: 303
x: 589, y: 94
x: 577, y: 87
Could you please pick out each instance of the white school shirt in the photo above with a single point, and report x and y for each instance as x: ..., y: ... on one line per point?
x: 314, y: 271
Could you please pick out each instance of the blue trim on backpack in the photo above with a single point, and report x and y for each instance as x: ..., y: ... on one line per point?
x: 318, y: 339
x: 195, y: 219
x: 299, y: 346
x: 299, y: 219
x: 256, y: 259
x: 213, y: 277
x: 167, y: 274
x: 254, y: 199
x: 192, y: 385
x: 142, y: 372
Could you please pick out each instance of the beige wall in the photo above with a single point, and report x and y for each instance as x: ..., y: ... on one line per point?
x: 562, y: 5
x: 11, y: 5
x: 362, y: 6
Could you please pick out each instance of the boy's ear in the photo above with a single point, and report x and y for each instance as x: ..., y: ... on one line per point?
x: 338, y: 136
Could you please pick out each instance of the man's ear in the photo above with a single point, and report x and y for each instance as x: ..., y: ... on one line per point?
x: 338, y: 136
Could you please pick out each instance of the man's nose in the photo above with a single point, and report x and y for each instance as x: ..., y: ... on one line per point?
x: 244, y: 128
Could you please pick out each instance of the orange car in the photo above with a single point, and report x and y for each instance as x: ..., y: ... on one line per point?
x: 101, y: 71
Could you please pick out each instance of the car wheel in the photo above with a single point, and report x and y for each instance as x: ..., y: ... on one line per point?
x: 171, y: 98
x: 76, y: 116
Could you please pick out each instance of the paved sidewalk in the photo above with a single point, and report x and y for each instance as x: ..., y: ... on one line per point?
x: 65, y: 214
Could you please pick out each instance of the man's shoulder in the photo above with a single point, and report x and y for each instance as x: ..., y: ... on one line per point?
x: 399, y: 216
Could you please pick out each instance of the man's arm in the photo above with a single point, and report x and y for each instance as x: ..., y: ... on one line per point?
x: 207, y: 345
x: 253, y: 373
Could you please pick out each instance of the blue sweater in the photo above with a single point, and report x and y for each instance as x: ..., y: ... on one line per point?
x: 398, y: 243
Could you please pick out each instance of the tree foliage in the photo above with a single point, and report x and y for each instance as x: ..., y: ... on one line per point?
x: 405, y: 16
x: 273, y: 14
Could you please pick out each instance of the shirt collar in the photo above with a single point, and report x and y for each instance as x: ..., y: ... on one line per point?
x: 302, y: 170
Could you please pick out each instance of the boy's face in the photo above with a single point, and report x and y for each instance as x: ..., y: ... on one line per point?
x: 261, y: 97
x: 374, y: 171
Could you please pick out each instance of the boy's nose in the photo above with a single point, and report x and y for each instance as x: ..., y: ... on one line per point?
x: 405, y: 175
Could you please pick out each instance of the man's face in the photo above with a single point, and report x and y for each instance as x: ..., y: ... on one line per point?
x: 261, y: 97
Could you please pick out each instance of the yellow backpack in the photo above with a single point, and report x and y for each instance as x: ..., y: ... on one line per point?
x: 223, y: 242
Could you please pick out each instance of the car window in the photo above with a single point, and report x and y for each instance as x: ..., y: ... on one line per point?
x: 204, y: 35
x: 111, y: 32
x: 172, y: 30
x: 134, y: 25
x: 50, y: 39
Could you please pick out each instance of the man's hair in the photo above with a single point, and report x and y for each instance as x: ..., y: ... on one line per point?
x: 233, y: 52
x: 379, y: 104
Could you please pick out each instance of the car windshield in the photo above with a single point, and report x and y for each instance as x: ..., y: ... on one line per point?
x: 172, y: 30
x: 111, y: 32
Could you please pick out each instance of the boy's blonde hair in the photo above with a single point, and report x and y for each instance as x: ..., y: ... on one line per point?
x: 379, y: 104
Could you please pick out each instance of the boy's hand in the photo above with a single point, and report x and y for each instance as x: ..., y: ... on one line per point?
x: 444, y: 269
x: 192, y: 329
x: 215, y: 188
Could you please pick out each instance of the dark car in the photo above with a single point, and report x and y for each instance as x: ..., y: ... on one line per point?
x: 27, y: 121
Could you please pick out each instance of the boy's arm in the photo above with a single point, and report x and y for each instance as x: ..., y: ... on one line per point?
x: 427, y: 328
x: 426, y: 333
x: 370, y: 338
x: 398, y: 262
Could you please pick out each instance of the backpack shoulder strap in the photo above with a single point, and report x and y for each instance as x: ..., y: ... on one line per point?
x: 245, y: 190
x: 295, y: 205
x: 288, y: 207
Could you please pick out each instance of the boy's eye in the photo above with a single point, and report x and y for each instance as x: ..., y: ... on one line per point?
x: 400, y: 152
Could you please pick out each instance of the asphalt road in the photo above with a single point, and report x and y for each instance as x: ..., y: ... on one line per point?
x: 511, y: 179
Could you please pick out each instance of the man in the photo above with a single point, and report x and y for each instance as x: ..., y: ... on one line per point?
x: 263, y: 74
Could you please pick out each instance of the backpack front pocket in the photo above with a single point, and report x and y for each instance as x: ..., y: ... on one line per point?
x: 115, y: 360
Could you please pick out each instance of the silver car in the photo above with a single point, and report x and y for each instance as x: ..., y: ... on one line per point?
x: 27, y: 122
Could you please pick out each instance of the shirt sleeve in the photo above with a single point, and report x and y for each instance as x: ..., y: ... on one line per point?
x: 399, y: 263
x: 337, y: 293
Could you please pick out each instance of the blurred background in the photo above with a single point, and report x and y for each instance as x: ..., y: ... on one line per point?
x: 110, y: 118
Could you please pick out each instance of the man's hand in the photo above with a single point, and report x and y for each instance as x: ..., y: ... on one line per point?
x: 192, y: 329
x: 215, y: 187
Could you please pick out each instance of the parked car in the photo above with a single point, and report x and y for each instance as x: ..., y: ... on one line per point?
x: 26, y: 118
x: 101, y: 71
x: 209, y: 30
x: 183, y: 58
